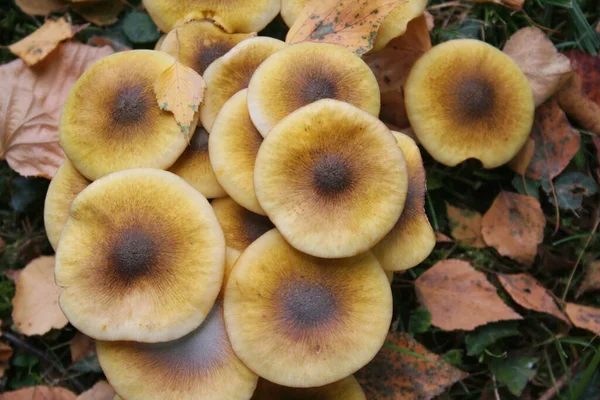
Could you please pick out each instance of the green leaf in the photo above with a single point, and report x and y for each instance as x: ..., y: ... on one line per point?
x: 419, y: 321
x: 571, y: 188
x: 454, y: 357
x: 527, y: 186
x: 25, y: 360
x: 514, y: 372
x: 489, y: 334
x: 87, y: 364
x: 139, y: 28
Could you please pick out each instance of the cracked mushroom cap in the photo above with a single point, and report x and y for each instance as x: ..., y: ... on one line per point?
x: 332, y: 179
x: 467, y: 99
x: 307, y: 72
x: 194, y: 166
x: 65, y: 185
x: 412, y: 239
x: 141, y: 258
x: 345, y: 389
x: 303, y: 321
x: 199, y: 43
x: 231, y: 73
x: 111, y: 120
x: 231, y: 15
x: 198, y: 366
x: 233, y: 146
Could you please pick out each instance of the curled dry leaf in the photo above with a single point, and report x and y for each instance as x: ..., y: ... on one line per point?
x: 81, y: 347
x: 514, y: 225
x: 100, y: 391
x: 352, y: 24
x: 591, y: 280
x: 40, y: 393
x: 6, y: 353
x: 41, y: 7
x: 35, y: 305
x: 530, y: 294
x: 584, y: 317
x: 394, y: 375
x: 465, y: 226
x: 99, y: 12
x: 460, y: 297
x: 392, y: 65
x: 31, y: 104
x: 545, y: 68
x: 522, y: 160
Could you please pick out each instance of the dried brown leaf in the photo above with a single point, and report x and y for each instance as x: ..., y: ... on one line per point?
x: 460, y: 297
x: 100, y: 391
x: 352, y: 24
x: 394, y: 375
x: 578, y: 105
x: 41, y: 7
x: 31, y: 104
x: 545, y: 68
x: 591, y: 281
x: 465, y: 226
x: 40, y: 393
x: 2, y: 245
x: 530, y: 294
x: 514, y: 225
x: 6, y: 353
x: 100, y: 13
x: 584, y: 317
x: 442, y: 238
x: 81, y: 347
x: 523, y: 158
x: 35, y: 305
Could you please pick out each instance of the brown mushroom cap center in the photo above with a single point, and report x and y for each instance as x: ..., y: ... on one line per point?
x: 199, y: 142
x: 317, y: 88
x: 255, y: 226
x: 332, y: 175
x: 133, y: 255
x: 131, y: 105
x: 308, y: 304
x: 206, y: 55
x: 476, y: 97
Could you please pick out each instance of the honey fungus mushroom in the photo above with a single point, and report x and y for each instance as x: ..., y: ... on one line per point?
x: 198, y: 366
x: 304, y: 73
x: 140, y: 258
x: 65, y: 185
x: 345, y: 389
x: 231, y: 15
x: 233, y: 146
x: 332, y: 179
x: 303, y: 321
x: 198, y: 43
x: 412, y: 239
x: 111, y: 120
x: 467, y: 99
x: 231, y: 73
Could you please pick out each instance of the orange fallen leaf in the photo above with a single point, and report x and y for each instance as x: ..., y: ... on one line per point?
x: 514, y: 4
x: 545, y: 68
x: 514, y: 225
x: 100, y: 391
x: 352, y: 24
x: 591, y: 280
x: 100, y: 13
x: 35, y: 305
x: 584, y: 317
x: 40, y: 393
x: 460, y: 297
x: 392, y: 65
x: 31, y: 104
x: 465, y: 226
x: 81, y: 347
x: 180, y: 89
x: 6, y: 353
x: 35, y: 47
x: 41, y: 7
x: 530, y: 294
x: 394, y: 375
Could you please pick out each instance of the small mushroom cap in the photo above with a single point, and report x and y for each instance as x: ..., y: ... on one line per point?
x: 307, y: 72
x: 65, y: 185
x: 194, y: 166
x: 231, y: 73
x: 394, y: 24
x: 159, y: 42
x: 412, y: 239
x: 231, y: 15
x: 198, y: 366
x: 303, y: 321
x: 233, y: 145
x: 111, y: 120
x: 199, y: 43
x: 467, y: 99
x: 345, y: 389
x: 332, y: 179
x: 141, y: 258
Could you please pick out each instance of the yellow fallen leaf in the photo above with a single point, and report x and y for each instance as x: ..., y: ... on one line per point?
x: 40, y: 43
x: 180, y: 89
x: 352, y: 24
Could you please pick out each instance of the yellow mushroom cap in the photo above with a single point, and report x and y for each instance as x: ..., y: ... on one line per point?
x: 290, y: 9
x: 412, y: 239
x: 198, y: 43
x: 307, y: 72
x: 233, y: 145
x: 231, y: 15
x: 141, y: 257
x: 331, y: 178
x: 111, y: 120
x: 198, y: 366
x: 194, y: 166
x: 467, y: 99
x: 345, y: 389
x: 231, y: 73
x: 303, y: 321
x: 65, y: 185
